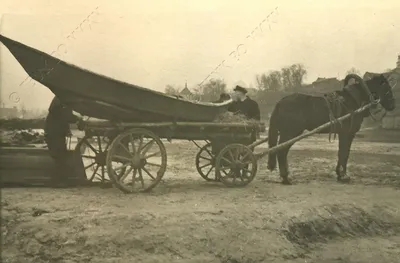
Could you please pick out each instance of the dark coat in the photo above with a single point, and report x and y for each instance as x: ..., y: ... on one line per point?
x: 247, y: 107
x: 58, y: 119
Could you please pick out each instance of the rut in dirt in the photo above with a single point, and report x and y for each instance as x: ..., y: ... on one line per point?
x: 323, y: 224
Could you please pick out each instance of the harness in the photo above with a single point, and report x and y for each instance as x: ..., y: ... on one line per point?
x: 335, y: 104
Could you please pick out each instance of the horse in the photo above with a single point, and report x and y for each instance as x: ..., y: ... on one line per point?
x: 295, y: 113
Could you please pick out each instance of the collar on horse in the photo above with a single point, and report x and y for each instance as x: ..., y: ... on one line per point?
x: 364, y: 87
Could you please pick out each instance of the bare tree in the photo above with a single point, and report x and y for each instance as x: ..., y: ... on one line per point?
x: 171, y: 90
x: 212, y: 89
x: 293, y: 76
x: 270, y: 82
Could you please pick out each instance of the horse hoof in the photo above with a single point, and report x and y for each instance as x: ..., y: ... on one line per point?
x: 343, y: 179
x: 286, y: 182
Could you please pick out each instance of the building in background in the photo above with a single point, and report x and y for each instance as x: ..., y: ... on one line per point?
x: 9, y: 113
x: 186, y: 93
x: 321, y: 86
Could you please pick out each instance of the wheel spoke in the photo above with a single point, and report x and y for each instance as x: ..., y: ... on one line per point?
x: 99, y: 143
x: 241, y: 177
x: 140, y: 144
x: 205, y: 158
x: 90, y: 165
x: 227, y: 174
x: 148, y: 173
x: 205, y: 165
x: 126, y: 149
x: 151, y: 155
x: 119, y: 157
x: 133, y: 179
x: 225, y: 168
x: 147, y: 147
x: 226, y: 160
x: 94, y: 173
x: 88, y: 156
x: 209, y: 171
x: 107, y: 145
x: 141, y: 177
x: 231, y: 155
x: 207, y: 151
x: 103, y: 174
x: 153, y: 164
x: 237, y: 154
x: 133, y: 144
x: 245, y: 156
x: 126, y: 173
x: 239, y: 174
x: 90, y: 146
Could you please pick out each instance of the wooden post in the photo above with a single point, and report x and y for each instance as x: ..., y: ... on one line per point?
x: 307, y: 134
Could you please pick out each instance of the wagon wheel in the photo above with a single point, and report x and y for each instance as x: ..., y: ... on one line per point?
x: 236, y: 165
x: 93, y: 151
x: 205, y: 163
x: 143, y: 156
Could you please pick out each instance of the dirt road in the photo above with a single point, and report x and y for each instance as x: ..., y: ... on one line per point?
x: 186, y: 219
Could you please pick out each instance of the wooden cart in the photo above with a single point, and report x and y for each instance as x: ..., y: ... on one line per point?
x: 122, y: 152
x: 126, y: 150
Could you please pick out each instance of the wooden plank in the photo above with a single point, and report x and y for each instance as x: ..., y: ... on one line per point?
x: 34, y: 166
x: 94, y: 124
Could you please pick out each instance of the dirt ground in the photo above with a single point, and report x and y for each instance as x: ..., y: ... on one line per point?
x: 185, y: 219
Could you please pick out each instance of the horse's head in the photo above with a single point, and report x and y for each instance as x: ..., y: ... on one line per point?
x: 377, y: 87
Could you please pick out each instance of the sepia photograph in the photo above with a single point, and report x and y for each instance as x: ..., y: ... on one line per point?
x: 219, y: 131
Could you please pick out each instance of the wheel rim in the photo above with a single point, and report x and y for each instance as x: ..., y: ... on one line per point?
x: 236, y: 165
x: 205, y: 163
x: 143, y: 159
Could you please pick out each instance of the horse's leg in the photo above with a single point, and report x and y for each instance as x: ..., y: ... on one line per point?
x: 345, y: 141
x: 282, y: 159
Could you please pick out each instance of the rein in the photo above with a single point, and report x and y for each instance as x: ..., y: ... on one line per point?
x: 335, y: 104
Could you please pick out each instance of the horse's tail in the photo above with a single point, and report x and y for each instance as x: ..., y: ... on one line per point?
x: 273, y: 134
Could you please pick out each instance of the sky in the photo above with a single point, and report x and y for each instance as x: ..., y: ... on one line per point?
x: 157, y: 42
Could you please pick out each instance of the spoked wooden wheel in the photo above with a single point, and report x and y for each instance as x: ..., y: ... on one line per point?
x: 205, y: 163
x: 236, y: 165
x: 142, y: 156
x: 93, y: 151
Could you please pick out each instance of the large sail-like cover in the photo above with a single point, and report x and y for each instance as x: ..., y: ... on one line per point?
x: 102, y: 97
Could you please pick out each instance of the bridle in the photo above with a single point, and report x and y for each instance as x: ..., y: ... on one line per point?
x: 378, y: 99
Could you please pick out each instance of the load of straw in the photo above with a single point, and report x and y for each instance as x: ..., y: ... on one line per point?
x: 229, y: 117
x: 22, y: 137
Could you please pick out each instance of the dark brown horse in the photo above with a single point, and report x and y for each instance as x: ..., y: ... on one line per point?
x: 296, y: 113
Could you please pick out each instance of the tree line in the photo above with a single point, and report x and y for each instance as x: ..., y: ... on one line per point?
x: 288, y: 79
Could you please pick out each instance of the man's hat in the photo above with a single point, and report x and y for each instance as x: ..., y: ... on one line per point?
x: 240, y: 89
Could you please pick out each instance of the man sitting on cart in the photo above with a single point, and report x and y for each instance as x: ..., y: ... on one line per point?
x: 244, y: 105
x: 56, y: 130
